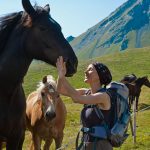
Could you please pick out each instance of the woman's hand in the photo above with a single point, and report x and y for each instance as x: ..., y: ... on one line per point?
x: 61, y: 67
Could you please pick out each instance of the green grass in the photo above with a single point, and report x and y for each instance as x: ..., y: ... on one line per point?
x: 131, y: 36
x: 145, y: 37
x: 127, y: 62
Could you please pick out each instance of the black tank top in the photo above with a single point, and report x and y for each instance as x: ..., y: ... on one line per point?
x: 89, y: 117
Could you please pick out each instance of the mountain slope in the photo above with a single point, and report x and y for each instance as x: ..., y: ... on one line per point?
x: 126, y: 27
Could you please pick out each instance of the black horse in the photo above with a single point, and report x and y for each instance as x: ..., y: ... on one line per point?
x: 128, y: 78
x: 135, y: 89
x: 25, y: 36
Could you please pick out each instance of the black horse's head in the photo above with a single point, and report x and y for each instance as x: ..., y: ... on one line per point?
x: 45, y: 40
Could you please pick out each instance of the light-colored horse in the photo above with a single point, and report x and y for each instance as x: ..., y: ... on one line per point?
x: 46, y: 115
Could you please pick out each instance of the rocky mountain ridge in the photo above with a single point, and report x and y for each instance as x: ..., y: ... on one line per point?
x: 127, y: 27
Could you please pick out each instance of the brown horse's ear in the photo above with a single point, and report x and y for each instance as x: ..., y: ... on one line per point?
x: 44, y: 79
x: 47, y: 8
x: 36, y: 113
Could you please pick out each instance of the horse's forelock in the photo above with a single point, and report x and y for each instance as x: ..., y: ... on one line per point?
x: 50, y: 80
x: 40, y: 86
x: 26, y: 20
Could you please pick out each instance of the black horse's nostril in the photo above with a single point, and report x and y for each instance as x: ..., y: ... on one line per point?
x: 71, y: 65
x: 70, y: 68
x: 65, y: 59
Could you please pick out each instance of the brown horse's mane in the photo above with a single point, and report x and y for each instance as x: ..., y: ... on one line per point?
x: 7, y: 24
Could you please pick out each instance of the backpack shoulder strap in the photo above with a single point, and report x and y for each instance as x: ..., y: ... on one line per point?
x: 112, y: 92
x: 104, y: 123
x: 99, y: 113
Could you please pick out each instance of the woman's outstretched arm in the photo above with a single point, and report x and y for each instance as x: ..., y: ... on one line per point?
x: 64, y: 87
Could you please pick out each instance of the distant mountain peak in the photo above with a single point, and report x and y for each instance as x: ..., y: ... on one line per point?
x: 70, y: 38
x: 127, y: 27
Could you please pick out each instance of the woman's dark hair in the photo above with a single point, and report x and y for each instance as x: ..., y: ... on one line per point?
x: 103, y: 73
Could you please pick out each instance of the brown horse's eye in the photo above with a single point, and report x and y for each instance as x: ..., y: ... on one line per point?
x: 43, y: 94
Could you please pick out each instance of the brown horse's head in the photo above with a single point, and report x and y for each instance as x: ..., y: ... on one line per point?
x: 49, y: 97
x: 44, y: 39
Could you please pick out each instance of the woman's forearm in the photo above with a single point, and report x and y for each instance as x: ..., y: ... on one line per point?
x: 60, y: 87
x: 68, y: 90
x: 64, y: 87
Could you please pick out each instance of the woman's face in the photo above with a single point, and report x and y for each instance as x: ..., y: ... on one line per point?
x: 91, y: 75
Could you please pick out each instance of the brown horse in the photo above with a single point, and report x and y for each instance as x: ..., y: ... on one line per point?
x: 46, y: 115
x: 135, y: 89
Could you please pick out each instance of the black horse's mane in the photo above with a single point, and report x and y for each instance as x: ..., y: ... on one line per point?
x: 7, y: 24
x: 140, y: 80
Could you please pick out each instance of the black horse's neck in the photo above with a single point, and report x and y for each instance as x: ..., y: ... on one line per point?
x: 140, y: 82
x: 14, y: 61
x: 7, y: 24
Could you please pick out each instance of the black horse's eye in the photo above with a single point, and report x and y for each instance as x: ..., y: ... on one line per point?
x: 43, y: 28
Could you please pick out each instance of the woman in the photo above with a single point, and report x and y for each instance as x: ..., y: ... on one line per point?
x: 96, y: 75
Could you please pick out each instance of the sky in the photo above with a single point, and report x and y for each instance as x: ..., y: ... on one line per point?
x: 74, y: 16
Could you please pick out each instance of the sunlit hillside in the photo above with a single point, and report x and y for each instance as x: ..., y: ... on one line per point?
x: 135, y: 61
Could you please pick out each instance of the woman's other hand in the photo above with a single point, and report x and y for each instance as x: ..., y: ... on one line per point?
x: 61, y: 67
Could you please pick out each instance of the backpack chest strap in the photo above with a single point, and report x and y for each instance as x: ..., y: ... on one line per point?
x: 96, y: 131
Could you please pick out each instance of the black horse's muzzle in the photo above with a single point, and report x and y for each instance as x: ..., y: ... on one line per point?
x: 71, y: 66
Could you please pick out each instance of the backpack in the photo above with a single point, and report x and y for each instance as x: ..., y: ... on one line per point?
x: 117, y: 132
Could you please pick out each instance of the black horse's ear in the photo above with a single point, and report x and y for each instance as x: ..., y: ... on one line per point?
x: 47, y: 8
x: 28, y: 8
x: 44, y: 79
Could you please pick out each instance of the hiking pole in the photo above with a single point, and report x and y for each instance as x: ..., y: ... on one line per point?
x: 131, y: 125
x: 134, y: 121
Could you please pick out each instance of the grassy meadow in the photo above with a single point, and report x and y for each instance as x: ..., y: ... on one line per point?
x: 131, y: 61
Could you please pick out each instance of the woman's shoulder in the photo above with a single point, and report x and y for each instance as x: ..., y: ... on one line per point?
x: 104, y: 98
